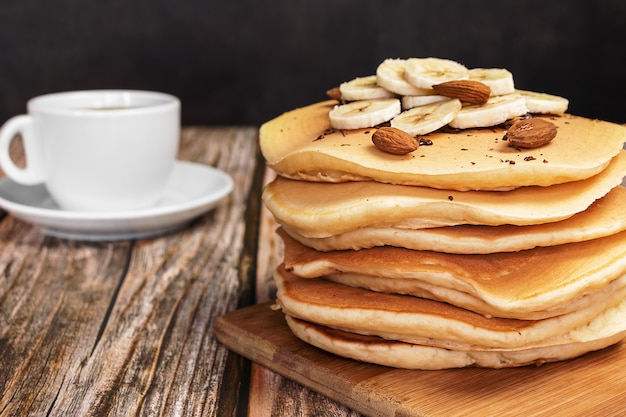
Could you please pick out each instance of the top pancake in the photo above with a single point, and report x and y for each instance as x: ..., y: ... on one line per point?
x: 300, y: 144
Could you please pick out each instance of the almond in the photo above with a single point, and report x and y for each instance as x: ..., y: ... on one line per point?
x: 394, y: 141
x: 334, y: 93
x: 468, y: 91
x: 530, y: 133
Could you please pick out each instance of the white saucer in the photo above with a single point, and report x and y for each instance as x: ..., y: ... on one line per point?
x: 193, y: 190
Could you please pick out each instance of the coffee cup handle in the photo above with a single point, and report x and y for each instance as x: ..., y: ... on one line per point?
x: 32, y: 173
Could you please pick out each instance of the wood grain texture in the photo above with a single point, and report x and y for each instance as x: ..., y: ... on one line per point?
x: 126, y: 328
x: 591, y: 385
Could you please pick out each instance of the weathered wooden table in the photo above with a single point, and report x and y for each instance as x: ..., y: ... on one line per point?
x: 125, y: 328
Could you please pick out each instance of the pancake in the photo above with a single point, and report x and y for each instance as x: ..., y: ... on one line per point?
x: 537, y: 282
x: 426, y: 322
x: 300, y: 144
x: 604, y: 217
x: 318, y: 210
x: 616, y: 289
x: 464, y: 252
x: 404, y: 355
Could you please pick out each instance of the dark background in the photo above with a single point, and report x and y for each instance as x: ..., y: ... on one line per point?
x: 245, y: 61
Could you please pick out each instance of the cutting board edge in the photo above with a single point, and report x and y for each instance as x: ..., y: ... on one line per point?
x: 264, y: 354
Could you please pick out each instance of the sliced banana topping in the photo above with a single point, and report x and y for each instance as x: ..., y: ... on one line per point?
x: 363, y: 88
x: 364, y: 113
x: 500, y: 80
x: 497, y: 110
x: 402, y: 93
x: 408, y: 102
x: 544, y: 103
x: 390, y: 75
x: 425, y: 119
x: 426, y: 72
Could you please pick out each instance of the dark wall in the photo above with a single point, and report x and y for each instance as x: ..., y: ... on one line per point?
x: 245, y: 61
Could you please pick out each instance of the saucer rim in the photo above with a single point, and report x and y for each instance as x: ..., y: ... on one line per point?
x: 75, y: 224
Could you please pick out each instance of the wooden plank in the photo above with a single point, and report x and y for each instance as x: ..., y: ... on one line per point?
x: 590, y: 385
x: 51, y: 313
x: 125, y: 328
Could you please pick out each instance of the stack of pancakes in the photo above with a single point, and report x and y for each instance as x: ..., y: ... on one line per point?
x: 467, y: 252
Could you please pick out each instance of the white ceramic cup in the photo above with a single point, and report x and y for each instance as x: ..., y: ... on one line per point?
x: 97, y: 150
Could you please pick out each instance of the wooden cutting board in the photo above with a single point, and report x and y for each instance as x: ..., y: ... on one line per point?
x: 591, y: 385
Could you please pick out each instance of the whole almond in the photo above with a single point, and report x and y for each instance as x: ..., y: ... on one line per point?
x: 468, y: 91
x: 394, y: 141
x: 530, y: 133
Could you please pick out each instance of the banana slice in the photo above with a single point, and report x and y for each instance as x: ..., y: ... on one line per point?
x: 364, y: 113
x: 428, y: 118
x: 408, y: 102
x: 544, y: 103
x: 390, y: 75
x: 500, y: 80
x: 363, y: 88
x: 497, y: 110
x: 426, y: 72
